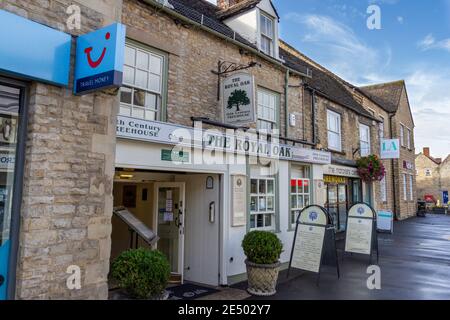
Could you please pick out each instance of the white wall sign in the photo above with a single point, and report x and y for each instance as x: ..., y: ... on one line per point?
x: 359, y: 229
x: 390, y: 149
x: 239, y: 198
x: 171, y: 134
x: 238, y: 99
x: 341, y: 171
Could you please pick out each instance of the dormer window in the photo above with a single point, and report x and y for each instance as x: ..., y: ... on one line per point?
x: 267, y: 34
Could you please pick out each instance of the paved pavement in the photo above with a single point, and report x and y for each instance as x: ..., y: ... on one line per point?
x: 414, y: 262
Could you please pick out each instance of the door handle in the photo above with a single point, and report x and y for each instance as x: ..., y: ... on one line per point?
x: 2, y: 280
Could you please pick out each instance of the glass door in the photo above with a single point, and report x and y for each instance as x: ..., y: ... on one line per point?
x: 10, y: 101
x: 170, y: 224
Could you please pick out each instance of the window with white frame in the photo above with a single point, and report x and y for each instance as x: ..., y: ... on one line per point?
x: 141, y: 93
x: 383, y: 187
x: 334, y: 131
x: 405, y: 188
x: 262, y: 203
x: 267, y: 109
x: 402, y: 135
x: 381, y: 128
x: 428, y: 173
x: 411, y: 182
x: 267, y: 34
x: 300, y: 197
x: 364, y: 139
x: 408, y: 139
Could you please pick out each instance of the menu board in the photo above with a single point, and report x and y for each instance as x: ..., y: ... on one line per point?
x: 307, y: 253
x: 359, y: 235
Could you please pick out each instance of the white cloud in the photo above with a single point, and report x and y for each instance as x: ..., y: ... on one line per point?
x: 400, y: 19
x: 338, y: 47
x: 429, y: 42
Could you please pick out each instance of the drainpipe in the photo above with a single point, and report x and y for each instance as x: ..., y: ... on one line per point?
x: 394, y: 189
x: 286, y: 115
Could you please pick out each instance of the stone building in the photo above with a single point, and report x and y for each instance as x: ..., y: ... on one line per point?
x: 197, y: 166
x: 433, y: 177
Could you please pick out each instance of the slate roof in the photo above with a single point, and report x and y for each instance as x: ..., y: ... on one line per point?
x: 325, y: 84
x: 387, y: 95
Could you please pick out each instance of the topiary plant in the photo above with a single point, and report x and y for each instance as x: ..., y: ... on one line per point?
x: 262, y: 247
x: 142, y: 273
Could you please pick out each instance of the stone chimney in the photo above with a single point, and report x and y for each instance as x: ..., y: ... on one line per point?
x: 225, y: 4
x: 426, y: 151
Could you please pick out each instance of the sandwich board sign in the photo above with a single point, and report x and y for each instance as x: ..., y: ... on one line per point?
x: 313, y: 224
x: 361, y: 236
x: 385, y: 221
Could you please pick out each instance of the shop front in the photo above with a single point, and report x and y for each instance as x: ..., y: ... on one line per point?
x: 343, y: 189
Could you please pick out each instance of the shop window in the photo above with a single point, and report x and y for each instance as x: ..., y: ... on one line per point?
x: 300, y: 197
x: 267, y: 34
x: 262, y: 204
x: 383, y: 187
x: 405, y: 188
x: 267, y: 110
x: 411, y: 195
x: 364, y: 138
x: 141, y: 94
x: 334, y: 131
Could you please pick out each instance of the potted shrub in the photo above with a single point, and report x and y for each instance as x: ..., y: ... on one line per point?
x: 142, y: 273
x: 263, y: 250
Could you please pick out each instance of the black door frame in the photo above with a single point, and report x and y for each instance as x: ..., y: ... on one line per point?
x: 18, y: 182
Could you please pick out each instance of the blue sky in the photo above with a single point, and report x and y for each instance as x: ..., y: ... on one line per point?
x: 413, y: 44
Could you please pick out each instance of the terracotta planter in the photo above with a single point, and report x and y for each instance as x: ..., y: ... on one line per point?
x: 262, y: 278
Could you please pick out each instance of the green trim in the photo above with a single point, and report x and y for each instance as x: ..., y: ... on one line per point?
x: 165, y: 74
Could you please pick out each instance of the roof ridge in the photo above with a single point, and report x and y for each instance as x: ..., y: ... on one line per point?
x: 402, y: 81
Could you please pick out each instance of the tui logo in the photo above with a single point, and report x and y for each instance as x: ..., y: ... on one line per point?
x: 96, y: 63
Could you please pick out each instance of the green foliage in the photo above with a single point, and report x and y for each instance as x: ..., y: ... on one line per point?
x: 262, y: 247
x: 238, y: 98
x: 143, y: 273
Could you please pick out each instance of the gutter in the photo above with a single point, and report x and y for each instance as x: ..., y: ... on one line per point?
x: 175, y: 14
x: 394, y: 189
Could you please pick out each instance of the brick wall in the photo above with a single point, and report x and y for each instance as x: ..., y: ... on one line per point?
x: 69, y: 167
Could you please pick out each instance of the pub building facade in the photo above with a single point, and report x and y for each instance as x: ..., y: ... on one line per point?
x: 197, y: 162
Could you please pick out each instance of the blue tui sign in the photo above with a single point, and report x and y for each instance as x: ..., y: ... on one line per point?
x: 445, y: 197
x: 100, y: 59
x: 33, y: 51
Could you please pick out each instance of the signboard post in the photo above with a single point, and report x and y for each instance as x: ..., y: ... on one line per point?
x: 238, y: 99
x: 308, y: 247
x: 361, y: 236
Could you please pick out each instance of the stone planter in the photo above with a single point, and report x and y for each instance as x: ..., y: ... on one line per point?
x: 262, y: 278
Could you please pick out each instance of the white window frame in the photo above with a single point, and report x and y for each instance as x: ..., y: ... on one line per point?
x: 383, y: 189
x: 428, y: 173
x: 405, y: 188
x: 265, y: 212
x: 408, y: 138
x: 402, y: 135
x: 411, y: 183
x: 332, y: 133
x: 302, y: 196
x: 267, y: 113
x: 265, y: 36
x: 150, y: 112
x: 365, y: 145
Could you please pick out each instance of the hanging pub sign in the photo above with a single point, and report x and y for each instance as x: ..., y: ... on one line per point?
x: 238, y: 99
x: 100, y: 59
x: 361, y: 236
x: 313, y: 223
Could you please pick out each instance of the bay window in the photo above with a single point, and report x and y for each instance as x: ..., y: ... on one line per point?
x: 141, y: 94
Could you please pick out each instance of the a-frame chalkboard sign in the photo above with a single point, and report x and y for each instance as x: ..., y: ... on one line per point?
x: 361, y: 235
x: 309, y: 246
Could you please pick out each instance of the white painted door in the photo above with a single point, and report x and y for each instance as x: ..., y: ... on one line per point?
x: 169, y: 221
x: 202, y: 221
